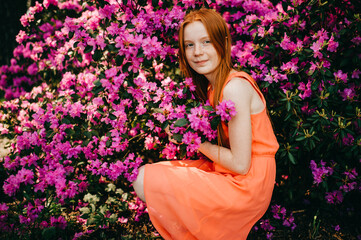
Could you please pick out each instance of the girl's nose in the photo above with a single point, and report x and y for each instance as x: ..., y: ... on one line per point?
x: 198, y: 49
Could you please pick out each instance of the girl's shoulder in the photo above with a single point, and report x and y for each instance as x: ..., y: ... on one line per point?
x: 237, y: 88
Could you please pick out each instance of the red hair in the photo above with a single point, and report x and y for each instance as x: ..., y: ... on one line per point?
x: 220, y: 37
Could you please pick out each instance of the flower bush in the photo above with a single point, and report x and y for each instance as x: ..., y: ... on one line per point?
x: 93, y: 84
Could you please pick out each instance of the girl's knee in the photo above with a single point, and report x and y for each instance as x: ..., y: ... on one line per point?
x: 138, y: 184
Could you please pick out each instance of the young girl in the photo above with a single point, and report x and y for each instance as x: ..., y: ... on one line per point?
x: 223, y: 197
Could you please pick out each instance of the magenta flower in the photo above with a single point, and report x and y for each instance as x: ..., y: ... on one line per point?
x: 192, y: 140
x: 287, y: 44
x: 198, y: 119
x: 319, y: 173
x: 59, y: 222
x: 348, y: 140
x: 332, y: 45
x: 290, y: 67
x: 334, y: 197
x: 339, y: 75
x: 348, y: 94
x: 170, y: 151
x: 76, y: 109
x: 307, y: 91
x: 226, y: 109
x: 33, y: 69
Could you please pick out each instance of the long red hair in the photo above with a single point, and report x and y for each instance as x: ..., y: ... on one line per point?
x: 220, y: 37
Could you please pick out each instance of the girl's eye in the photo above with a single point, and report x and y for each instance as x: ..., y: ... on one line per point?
x: 207, y: 42
x: 189, y: 45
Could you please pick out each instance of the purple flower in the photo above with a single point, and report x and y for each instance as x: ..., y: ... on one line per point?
x: 348, y: 93
x: 198, y: 119
x: 316, y: 47
x: 170, y: 151
x: 307, y: 91
x: 59, y: 222
x: 33, y: 69
x: 334, y: 197
x: 192, y: 140
x: 76, y: 109
x: 266, y: 225
x: 348, y: 140
x: 332, y: 45
x: 351, y: 173
x: 287, y: 44
x: 226, y: 109
x: 356, y: 73
x: 319, y: 173
x: 339, y: 75
x: 290, y: 67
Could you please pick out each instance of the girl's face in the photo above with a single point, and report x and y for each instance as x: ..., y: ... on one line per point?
x: 199, y: 50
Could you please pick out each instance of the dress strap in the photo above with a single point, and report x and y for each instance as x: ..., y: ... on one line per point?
x: 247, y: 77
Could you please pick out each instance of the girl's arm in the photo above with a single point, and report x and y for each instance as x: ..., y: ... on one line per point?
x: 237, y: 158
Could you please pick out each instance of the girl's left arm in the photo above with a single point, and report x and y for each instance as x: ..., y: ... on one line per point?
x: 237, y: 158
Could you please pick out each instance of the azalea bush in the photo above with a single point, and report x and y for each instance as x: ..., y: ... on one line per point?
x: 93, y: 85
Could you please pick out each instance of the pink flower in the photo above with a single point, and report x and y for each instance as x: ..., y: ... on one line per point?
x: 76, y: 109
x: 287, y: 44
x: 348, y: 94
x: 339, y: 75
x: 356, y: 40
x: 3, y: 207
x: 123, y: 220
x: 356, y: 73
x: 334, y: 197
x: 198, y: 119
x: 332, y: 45
x: 192, y: 140
x: 316, y: 47
x: 112, y: 72
x: 307, y: 91
x: 170, y: 151
x: 319, y: 173
x: 348, y: 140
x: 226, y: 109
x: 22, y: 36
x: 290, y: 67
x: 59, y: 222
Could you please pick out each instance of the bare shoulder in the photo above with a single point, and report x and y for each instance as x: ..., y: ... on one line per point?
x: 238, y: 88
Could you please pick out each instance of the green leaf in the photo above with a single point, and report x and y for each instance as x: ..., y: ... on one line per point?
x: 97, y: 83
x: 71, y: 35
x: 88, y: 49
x: 181, y: 122
x: 49, y: 233
x: 119, y: 60
x: 177, y: 137
x: 165, y: 124
x: 155, y: 3
x: 87, y: 134
x: 301, y: 138
x: 292, y: 158
x: 215, y: 122
x: 208, y: 108
x: 97, y: 55
x: 65, y: 121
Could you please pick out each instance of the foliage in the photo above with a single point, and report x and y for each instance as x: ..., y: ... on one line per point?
x: 93, y: 85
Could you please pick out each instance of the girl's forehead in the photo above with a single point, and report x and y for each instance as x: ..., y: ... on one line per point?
x: 195, y: 30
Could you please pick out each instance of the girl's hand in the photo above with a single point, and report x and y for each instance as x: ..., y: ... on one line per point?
x: 170, y: 138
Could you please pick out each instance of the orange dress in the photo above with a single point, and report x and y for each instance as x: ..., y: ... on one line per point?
x: 199, y: 199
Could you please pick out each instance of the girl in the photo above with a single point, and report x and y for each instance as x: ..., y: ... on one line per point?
x: 223, y: 197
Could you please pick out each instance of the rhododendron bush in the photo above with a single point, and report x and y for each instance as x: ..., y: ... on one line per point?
x: 93, y: 84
